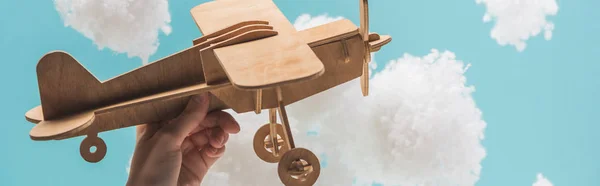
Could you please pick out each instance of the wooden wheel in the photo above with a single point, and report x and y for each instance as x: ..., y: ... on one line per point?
x: 299, y: 167
x: 90, y: 155
x: 263, y: 147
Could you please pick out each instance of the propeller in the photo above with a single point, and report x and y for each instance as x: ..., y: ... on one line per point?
x: 373, y: 43
x: 364, y: 32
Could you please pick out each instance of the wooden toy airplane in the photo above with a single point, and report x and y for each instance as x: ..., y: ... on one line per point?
x: 249, y: 58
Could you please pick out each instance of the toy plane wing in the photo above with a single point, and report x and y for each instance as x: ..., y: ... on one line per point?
x: 262, y: 63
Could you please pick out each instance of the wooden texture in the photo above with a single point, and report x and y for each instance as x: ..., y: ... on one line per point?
x: 319, y: 35
x: 148, y: 109
x: 327, y: 33
x: 59, y: 74
x: 50, y: 129
x: 260, y: 146
x: 337, y: 71
x: 274, y: 133
x: 271, y: 61
x: 287, y: 168
x: 364, y: 19
x: 35, y: 115
x: 364, y: 32
x: 131, y: 112
x: 229, y: 29
x: 214, y: 72
x: 379, y: 42
x: 287, y: 131
x: 250, y: 58
x: 258, y: 102
x: 131, y: 90
x: 374, y: 37
x: 66, y: 87
x: 87, y: 144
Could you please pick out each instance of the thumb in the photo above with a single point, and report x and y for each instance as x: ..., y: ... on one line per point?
x: 192, y: 115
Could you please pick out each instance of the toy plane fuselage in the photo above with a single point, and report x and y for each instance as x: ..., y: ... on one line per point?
x: 250, y: 58
x: 68, y: 90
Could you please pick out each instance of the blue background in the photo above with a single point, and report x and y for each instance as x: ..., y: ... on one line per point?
x: 540, y: 104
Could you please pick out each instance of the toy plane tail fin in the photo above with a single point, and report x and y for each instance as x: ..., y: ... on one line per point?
x: 62, y: 80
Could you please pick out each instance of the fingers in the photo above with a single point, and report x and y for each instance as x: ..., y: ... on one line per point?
x: 215, y: 138
x: 204, y: 154
x: 187, y: 146
x: 211, y: 154
x: 218, y: 138
x: 209, y: 143
x: 146, y: 131
x: 219, y: 119
x: 200, y: 161
x: 194, y: 114
x: 199, y: 139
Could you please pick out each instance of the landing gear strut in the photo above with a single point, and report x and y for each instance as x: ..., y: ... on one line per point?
x: 274, y: 143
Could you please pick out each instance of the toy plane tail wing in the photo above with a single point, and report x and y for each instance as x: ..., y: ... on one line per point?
x: 61, y: 80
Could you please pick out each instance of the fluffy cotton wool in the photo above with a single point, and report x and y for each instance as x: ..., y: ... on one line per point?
x: 123, y: 26
x: 518, y: 20
x: 542, y: 181
x: 306, y: 21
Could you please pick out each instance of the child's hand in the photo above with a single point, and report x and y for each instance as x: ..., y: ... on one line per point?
x: 180, y: 151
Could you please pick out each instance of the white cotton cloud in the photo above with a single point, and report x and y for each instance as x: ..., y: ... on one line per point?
x: 518, y: 20
x: 424, y: 125
x: 542, y: 181
x: 306, y: 21
x: 419, y: 126
x: 123, y: 26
